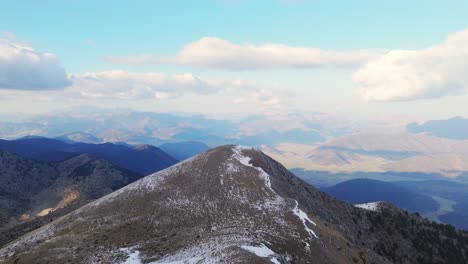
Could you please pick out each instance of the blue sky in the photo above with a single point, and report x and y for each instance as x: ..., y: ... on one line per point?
x: 84, y: 34
x: 129, y: 27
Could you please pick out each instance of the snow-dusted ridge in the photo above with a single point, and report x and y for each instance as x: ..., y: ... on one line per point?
x: 149, y: 182
x: 260, y: 213
x: 244, y: 160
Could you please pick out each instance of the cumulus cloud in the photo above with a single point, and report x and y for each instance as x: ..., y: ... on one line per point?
x: 23, y: 68
x: 402, y: 75
x: 211, y: 52
x: 259, y: 97
x: 117, y: 84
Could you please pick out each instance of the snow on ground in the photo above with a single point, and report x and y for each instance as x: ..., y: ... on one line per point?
x: 244, y: 160
x: 193, y: 260
x: 133, y: 256
x: 304, y: 218
x: 298, y: 212
x: 210, y: 252
x: 189, y: 257
x: 374, y: 206
x: 262, y: 251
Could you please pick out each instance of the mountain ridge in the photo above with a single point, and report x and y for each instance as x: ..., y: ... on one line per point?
x: 143, y: 160
x: 230, y: 204
x: 30, y: 189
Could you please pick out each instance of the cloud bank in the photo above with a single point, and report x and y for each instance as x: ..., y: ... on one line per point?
x: 211, y: 52
x: 403, y: 75
x: 118, y: 84
x: 23, y: 68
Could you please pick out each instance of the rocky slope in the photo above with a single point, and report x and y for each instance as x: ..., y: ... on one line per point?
x: 30, y: 189
x: 233, y: 205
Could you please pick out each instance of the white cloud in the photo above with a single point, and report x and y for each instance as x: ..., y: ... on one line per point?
x: 119, y: 84
x: 402, y: 75
x: 122, y: 85
x: 23, y: 68
x: 259, y: 97
x: 152, y: 90
x: 211, y: 52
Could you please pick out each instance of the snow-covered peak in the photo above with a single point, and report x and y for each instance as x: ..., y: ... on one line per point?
x: 220, y: 205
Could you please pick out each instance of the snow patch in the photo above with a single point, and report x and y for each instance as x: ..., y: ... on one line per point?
x: 261, y: 251
x: 133, y: 256
x: 244, y: 160
x: 193, y: 260
x: 304, y: 219
x: 212, y: 252
x: 274, y: 260
x: 374, y: 206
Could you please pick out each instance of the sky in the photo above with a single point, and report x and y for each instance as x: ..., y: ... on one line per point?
x: 372, y: 59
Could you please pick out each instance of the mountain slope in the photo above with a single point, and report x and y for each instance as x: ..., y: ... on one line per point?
x: 143, y: 159
x: 30, y: 189
x: 366, y: 190
x: 232, y: 205
x: 211, y: 208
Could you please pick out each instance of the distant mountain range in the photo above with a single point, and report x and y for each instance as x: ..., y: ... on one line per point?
x: 184, y: 150
x: 432, y: 196
x: 142, y: 159
x: 133, y: 127
x: 366, y: 190
x: 451, y: 195
x: 79, y: 137
x: 380, y: 152
x: 235, y: 204
x: 455, y: 128
x: 312, y: 141
x: 31, y: 189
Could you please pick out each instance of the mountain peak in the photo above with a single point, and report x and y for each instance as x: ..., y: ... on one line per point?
x: 220, y: 205
x: 228, y: 204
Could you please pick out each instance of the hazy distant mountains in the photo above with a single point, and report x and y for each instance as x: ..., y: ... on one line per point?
x: 433, y: 196
x: 184, y: 150
x: 79, y: 137
x: 313, y: 141
x: 143, y: 159
x: 455, y: 128
x: 158, y: 128
x: 360, y: 191
x: 235, y: 204
x: 380, y: 152
x: 451, y: 195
